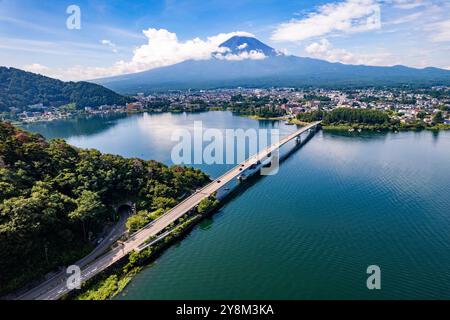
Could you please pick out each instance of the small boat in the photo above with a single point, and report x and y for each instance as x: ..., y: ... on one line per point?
x: 359, y: 130
x: 351, y: 130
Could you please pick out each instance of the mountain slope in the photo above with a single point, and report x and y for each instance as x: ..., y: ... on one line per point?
x: 272, y: 71
x: 239, y: 44
x: 19, y: 89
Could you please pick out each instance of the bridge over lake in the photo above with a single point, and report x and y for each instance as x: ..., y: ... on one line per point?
x: 55, y: 287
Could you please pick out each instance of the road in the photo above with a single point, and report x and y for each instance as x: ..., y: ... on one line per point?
x: 56, y: 288
x: 113, y: 235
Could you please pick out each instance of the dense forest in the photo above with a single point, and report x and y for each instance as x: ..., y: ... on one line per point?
x: 19, y: 89
x: 55, y: 198
x: 255, y: 106
x: 346, y: 115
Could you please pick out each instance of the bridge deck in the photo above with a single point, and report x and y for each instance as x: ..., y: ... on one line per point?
x: 56, y: 287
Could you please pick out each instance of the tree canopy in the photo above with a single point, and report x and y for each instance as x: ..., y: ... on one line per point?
x: 54, y: 196
x: 20, y: 89
x: 346, y: 115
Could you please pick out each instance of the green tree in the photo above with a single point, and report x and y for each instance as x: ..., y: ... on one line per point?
x: 163, y: 203
x: 52, y: 196
x: 89, y: 207
x: 421, y: 114
x: 138, y: 221
x: 438, y: 117
x: 207, y: 205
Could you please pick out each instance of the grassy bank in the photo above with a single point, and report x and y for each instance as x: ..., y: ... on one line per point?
x: 253, y: 117
x: 348, y: 127
x: 439, y: 127
x: 298, y: 122
x: 290, y: 120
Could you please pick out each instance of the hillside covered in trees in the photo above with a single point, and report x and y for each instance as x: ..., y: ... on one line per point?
x: 19, y: 89
x: 352, y: 119
x: 346, y: 115
x: 55, y: 198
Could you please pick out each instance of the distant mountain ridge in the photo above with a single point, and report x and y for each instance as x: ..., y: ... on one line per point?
x: 276, y: 70
x: 19, y: 89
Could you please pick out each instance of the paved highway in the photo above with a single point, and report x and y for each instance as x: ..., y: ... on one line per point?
x: 56, y: 287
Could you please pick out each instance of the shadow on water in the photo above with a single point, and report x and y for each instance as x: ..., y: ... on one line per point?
x: 205, y: 224
x: 269, y: 123
x: 365, y: 135
x: 79, y: 126
x: 435, y: 135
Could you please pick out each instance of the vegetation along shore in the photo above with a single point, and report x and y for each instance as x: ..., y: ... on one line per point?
x: 57, y: 200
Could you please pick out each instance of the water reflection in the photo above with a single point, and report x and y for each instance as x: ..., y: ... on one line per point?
x: 76, y: 127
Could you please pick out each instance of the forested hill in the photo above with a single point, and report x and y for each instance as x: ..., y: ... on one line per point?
x: 19, y: 89
x: 55, y: 199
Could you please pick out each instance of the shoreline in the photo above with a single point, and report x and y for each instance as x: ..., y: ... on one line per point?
x: 293, y: 121
x: 356, y: 126
x: 381, y: 128
x: 253, y: 117
x: 283, y: 118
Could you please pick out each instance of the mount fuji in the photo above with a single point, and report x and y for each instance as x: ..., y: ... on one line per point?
x: 247, y: 62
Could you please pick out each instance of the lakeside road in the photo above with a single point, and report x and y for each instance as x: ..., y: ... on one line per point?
x: 60, y: 277
x: 56, y: 287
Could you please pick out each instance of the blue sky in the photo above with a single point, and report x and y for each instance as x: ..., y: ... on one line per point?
x: 128, y: 36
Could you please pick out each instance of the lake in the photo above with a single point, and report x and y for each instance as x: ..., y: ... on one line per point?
x: 341, y: 203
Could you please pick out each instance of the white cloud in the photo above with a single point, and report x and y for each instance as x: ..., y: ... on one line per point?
x: 252, y: 54
x: 243, y: 46
x: 110, y: 44
x: 323, y: 49
x: 36, y: 68
x: 163, y: 48
x: 408, y: 4
x: 404, y: 19
x: 26, y: 24
x: 440, y: 31
x: 123, y: 33
x: 345, y: 17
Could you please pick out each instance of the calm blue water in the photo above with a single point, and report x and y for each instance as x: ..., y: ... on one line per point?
x: 339, y: 204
